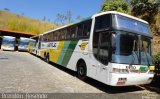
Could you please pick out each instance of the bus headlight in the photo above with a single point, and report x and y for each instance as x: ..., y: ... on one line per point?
x: 152, y: 68
x: 121, y: 71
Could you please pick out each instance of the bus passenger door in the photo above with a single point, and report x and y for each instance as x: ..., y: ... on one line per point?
x: 103, y: 57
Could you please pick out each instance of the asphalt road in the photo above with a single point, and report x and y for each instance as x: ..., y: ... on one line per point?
x: 21, y: 72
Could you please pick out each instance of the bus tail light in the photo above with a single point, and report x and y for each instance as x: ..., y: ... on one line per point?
x: 121, y: 71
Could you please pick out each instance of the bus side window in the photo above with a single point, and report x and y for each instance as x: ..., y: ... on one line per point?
x: 73, y: 32
x: 60, y: 35
x: 56, y: 35
x: 104, y: 47
x: 103, y: 22
x: 68, y: 33
x: 101, y: 43
x: 63, y: 34
x: 44, y: 38
x: 87, y: 28
x: 80, y: 30
x: 95, y: 44
x: 51, y: 37
x: 47, y: 37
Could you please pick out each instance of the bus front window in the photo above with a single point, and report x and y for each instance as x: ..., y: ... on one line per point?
x: 129, y: 50
x: 22, y: 43
x: 8, y: 42
x: 145, y: 51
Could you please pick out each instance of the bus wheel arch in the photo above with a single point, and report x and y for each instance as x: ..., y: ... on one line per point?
x: 81, y: 69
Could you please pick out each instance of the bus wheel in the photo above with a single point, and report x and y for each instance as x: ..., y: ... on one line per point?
x: 82, y: 71
x: 47, y: 58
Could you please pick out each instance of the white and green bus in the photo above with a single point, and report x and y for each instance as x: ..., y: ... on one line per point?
x: 110, y: 47
x: 34, y: 47
x: 24, y: 43
x: 8, y: 43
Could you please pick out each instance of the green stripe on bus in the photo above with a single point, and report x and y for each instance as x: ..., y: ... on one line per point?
x: 63, y: 51
x: 69, y: 52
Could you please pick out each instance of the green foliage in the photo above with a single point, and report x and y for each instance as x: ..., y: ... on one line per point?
x: 145, y: 9
x: 156, y: 62
x: 115, y: 5
x: 156, y: 58
x: 156, y: 25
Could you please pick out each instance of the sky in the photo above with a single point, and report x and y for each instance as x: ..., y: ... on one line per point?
x: 38, y: 9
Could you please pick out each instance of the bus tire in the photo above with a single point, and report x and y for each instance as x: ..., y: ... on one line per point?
x: 81, y: 70
x: 47, y: 58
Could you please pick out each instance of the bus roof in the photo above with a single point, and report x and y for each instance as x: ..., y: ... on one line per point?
x: 115, y: 12
x: 24, y: 38
x: 66, y: 26
x: 28, y: 39
x: 9, y: 37
x: 96, y: 15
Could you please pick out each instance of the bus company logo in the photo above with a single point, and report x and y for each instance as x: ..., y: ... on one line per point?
x: 83, y: 46
x: 52, y: 45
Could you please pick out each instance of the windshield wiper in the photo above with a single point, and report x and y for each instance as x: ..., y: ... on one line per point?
x: 137, y: 57
x: 132, y: 59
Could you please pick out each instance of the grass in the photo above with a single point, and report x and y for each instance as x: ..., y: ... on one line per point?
x: 24, y: 24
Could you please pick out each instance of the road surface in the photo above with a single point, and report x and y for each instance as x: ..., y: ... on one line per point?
x: 21, y: 72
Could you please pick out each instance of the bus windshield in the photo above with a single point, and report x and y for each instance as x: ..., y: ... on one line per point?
x: 128, y: 24
x: 8, y: 42
x: 130, y: 48
x: 24, y: 43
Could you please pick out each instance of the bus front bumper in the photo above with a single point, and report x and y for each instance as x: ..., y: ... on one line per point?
x: 7, y: 48
x: 22, y: 49
x: 130, y: 79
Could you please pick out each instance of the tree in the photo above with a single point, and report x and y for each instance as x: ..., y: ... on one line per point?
x: 68, y: 16
x: 6, y: 9
x: 156, y: 62
x: 60, y: 19
x: 44, y: 18
x: 22, y: 14
x: 79, y: 18
x: 158, y: 1
x: 145, y: 9
x: 64, y: 18
x: 115, y: 5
